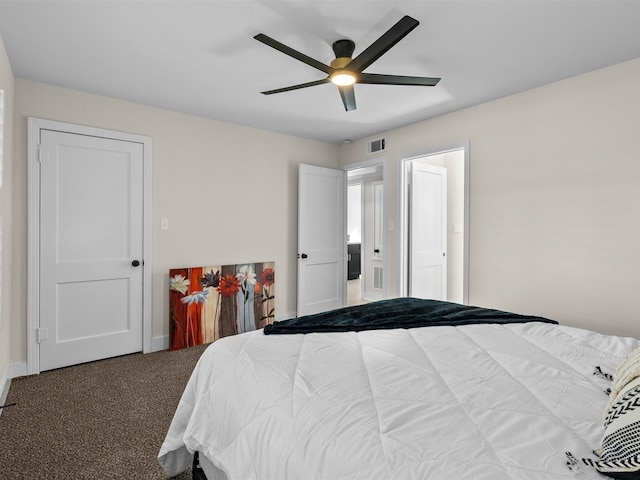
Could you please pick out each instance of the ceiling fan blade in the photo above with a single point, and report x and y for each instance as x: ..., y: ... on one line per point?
x: 383, y: 44
x: 374, y: 78
x: 348, y: 97
x: 261, y: 37
x: 296, y: 87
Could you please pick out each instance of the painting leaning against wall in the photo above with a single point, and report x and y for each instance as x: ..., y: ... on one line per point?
x: 208, y: 303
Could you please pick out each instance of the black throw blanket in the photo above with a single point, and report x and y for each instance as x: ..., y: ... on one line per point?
x: 396, y: 313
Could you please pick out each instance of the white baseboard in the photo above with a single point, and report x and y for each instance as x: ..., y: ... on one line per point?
x: 14, y: 370
x: 18, y: 370
x: 162, y: 343
x: 285, y: 316
x: 5, y: 383
x: 157, y: 344
x: 372, y: 296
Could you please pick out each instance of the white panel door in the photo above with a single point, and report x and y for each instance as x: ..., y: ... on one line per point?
x: 378, y: 206
x: 321, y: 239
x: 428, y: 232
x: 91, y: 227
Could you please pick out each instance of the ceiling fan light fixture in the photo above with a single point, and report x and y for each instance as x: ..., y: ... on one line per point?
x: 344, y: 70
x: 343, y: 78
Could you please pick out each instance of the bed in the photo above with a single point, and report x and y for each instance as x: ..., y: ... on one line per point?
x: 411, y: 389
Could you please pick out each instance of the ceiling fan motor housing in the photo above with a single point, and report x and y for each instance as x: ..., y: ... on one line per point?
x: 343, y: 48
x: 340, y: 62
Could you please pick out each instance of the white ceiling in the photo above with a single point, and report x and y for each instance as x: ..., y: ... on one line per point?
x: 200, y: 57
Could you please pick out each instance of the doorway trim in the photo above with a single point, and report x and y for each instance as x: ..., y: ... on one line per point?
x: 359, y: 183
x: 403, y: 224
x: 373, y: 162
x: 33, y: 223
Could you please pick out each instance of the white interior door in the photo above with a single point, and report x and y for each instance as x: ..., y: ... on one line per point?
x: 428, y: 232
x: 91, y: 245
x: 378, y: 207
x: 321, y: 239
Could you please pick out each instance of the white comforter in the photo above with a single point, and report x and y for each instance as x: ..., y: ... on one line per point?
x: 469, y: 402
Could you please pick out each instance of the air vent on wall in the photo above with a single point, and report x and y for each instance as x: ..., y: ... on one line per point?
x: 377, y: 277
x: 378, y: 145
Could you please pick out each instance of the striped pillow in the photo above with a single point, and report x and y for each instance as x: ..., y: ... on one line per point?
x: 625, y: 373
x: 620, y: 452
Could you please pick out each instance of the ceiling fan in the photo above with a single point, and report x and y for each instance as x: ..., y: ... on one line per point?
x: 344, y: 71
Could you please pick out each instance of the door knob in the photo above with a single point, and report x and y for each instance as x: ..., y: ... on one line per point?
x: 135, y: 263
x: 304, y: 255
x: 377, y: 250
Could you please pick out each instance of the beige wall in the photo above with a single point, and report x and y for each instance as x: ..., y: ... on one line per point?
x: 229, y: 192
x: 555, y: 197
x: 6, y: 214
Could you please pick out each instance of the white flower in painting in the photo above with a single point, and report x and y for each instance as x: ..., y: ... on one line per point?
x: 179, y: 284
x: 196, y: 297
x: 247, y: 275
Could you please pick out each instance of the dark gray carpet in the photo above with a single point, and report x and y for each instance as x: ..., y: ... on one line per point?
x: 100, y: 420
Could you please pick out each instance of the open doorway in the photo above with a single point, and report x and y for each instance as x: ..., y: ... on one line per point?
x: 435, y: 265
x: 365, y: 232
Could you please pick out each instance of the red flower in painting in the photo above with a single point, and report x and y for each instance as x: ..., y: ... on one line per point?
x: 229, y: 285
x: 267, y: 277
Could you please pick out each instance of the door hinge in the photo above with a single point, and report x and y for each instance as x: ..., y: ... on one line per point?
x: 42, y: 334
x: 43, y: 155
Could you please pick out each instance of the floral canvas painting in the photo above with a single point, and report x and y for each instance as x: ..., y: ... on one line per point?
x: 208, y: 303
